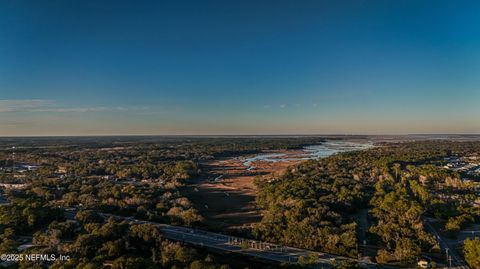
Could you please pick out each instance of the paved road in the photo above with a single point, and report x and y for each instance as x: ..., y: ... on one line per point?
x: 457, y: 261
x: 221, y: 242
x: 263, y: 250
x: 233, y: 244
x: 3, y: 200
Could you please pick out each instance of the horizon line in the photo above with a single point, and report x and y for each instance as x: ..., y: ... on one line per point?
x: 229, y: 134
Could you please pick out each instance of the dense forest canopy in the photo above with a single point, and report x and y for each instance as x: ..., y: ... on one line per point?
x: 314, y: 204
x: 317, y: 204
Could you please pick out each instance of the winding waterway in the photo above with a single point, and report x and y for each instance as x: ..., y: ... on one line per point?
x: 323, y: 150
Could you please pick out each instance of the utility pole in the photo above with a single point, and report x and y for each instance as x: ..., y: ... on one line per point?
x: 450, y: 261
x: 446, y: 257
x: 13, y: 160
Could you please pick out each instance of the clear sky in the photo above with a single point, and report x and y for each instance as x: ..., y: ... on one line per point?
x: 239, y: 67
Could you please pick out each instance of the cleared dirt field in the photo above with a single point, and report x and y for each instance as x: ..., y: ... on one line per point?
x: 226, y: 195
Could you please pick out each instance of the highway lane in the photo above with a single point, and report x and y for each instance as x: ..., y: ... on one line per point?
x: 263, y: 250
x: 457, y: 261
x: 226, y: 243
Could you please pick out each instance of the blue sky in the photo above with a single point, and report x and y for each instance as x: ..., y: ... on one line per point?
x: 239, y: 67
